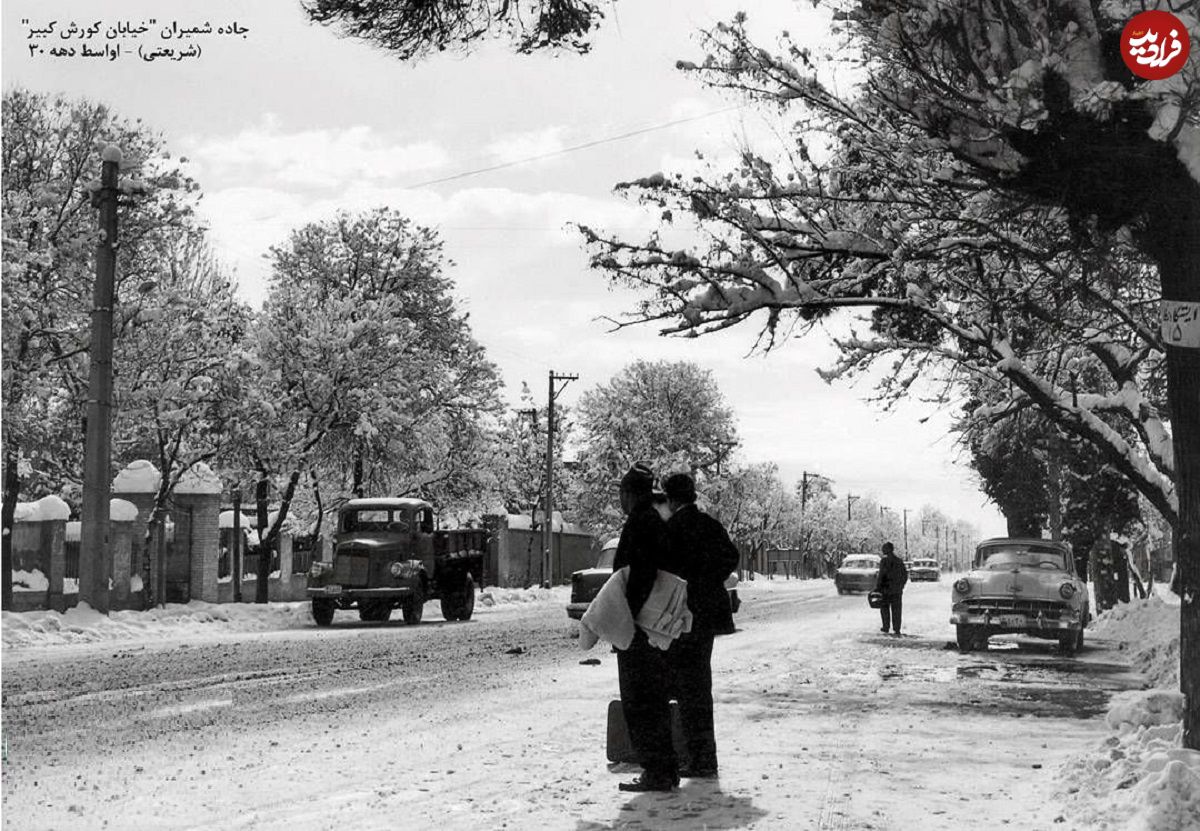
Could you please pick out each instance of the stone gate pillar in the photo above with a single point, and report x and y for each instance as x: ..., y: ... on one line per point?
x: 197, y: 509
x: 137, y: 484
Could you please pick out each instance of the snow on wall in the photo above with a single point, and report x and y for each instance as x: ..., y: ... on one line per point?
x: 137, y: 477
x: 199, y: 479
x: 45, y: 509
x: 121, y: 510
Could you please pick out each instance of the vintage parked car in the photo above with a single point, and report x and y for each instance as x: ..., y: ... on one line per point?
x: 1022, y: 586
x: 924, y: 569
x: 857, y: 573
x: 586, y: 583
x: 387, y: 555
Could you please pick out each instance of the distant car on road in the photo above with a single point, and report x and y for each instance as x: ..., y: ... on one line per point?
x: 924, y: 569
x: 586, y: 583
x: 1023, y: 586
x: 857, y: 573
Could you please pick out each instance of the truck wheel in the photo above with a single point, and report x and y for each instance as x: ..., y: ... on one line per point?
x: 460, y: 605
x: 322, y: 611
x: 467, y: 607
x: 414, y: 608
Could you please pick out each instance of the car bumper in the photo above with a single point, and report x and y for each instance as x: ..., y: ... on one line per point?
x: 344, y: 593
x: 856, y: 585
x: 916, y: 578
x: 1017, y: 622
x: 575, y: 610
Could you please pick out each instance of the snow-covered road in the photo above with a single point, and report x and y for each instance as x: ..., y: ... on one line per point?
x: 823, y: 723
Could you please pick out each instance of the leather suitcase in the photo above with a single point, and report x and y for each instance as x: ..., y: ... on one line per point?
x: 620, y: 748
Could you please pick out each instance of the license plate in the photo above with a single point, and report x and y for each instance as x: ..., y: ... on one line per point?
x: 1014, y: 621
x: 333, y: 590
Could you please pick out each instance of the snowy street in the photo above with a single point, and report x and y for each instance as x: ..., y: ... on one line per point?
x: 822, y: 723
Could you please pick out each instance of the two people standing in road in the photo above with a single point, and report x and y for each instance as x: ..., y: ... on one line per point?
x: 694, y: 546
x: 890, y: 583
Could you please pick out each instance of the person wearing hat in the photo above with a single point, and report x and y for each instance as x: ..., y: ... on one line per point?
x: 706, y: 556
x: 642, y: 669
x: 890, y: 583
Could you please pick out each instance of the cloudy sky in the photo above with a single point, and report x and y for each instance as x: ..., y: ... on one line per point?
x: 286, y: 123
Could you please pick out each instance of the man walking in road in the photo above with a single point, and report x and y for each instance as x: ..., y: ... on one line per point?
x: 890, y: 583
x: 706, y: 556
x: 642, y: 669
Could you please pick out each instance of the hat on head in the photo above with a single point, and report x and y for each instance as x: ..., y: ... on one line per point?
x: 680, y: 487
x: 638, y: 479
x: 888, y: 548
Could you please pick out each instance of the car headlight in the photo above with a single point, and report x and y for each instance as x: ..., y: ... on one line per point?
x: 397, y: 569
x: 316, y: 570
x: 962, y: 585
x: 1067, y: 590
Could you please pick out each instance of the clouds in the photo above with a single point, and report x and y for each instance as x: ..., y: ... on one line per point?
x: 313, y: 158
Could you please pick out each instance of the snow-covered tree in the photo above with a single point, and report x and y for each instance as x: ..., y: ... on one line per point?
x: 670, y: 415
x: 51, y: 155
x: 366, y: 378
x: 993, y: 148
x: 415, y: 28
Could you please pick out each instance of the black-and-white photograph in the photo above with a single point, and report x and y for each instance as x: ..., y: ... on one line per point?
x: 600, y: 414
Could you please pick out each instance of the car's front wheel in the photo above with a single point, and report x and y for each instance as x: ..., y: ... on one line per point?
x: 971, y: 637
x: 1071, y: 642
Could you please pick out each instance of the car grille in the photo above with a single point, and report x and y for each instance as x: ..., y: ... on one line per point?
x: 351, y: 568
x: 1045, y: 608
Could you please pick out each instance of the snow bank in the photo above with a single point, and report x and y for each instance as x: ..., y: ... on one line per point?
x: 1140, y: 778
x: 199, y: 478
x: 181, y: 620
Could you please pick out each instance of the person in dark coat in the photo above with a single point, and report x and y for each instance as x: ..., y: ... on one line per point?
x: 706, y: 556
x: 642, y: 669
x: 890, y: 583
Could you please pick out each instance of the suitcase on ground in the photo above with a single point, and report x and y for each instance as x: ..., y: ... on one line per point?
x: 620, y: 748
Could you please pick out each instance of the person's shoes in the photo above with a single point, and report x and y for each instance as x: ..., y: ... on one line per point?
x: 650, y: 783
x: 884, y: 630
x: 699, y: 772
x: 896, y: 633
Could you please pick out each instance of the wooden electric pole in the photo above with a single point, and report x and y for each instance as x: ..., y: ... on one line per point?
x: 95, y: 548
x: 548, y: 519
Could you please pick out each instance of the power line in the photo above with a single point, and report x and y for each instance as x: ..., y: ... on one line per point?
x: 594, y: 143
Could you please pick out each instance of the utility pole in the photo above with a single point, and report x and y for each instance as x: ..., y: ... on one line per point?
x: 722, y: 445
x: 235, y: 545
x: 548, y: 524
x: 850, y: 500
x: 906, y: 533
x: 95, y: 560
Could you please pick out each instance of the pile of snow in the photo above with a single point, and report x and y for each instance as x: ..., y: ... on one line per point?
x: 45, y: 509
x: 81, y: 624
x: 139, y: 476
x: 1150, y: 630
x: 1140, y: 777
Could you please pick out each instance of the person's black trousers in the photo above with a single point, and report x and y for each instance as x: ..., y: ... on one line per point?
x: 889, y: 612
x: 644, y: 678
x: 691, y: 660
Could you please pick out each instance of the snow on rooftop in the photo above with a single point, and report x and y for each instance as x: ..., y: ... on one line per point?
x: 45, y: 509
x: 139, y: 476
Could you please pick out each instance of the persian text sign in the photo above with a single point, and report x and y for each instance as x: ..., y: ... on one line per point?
x: 1180, y: 323
x: 1155, y: 45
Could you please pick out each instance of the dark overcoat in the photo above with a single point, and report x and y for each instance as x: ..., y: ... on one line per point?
x: 892, y: 576
x: 705, y: 557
